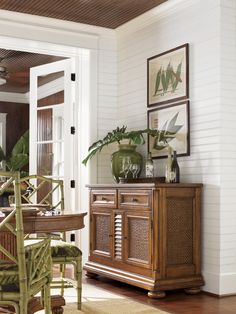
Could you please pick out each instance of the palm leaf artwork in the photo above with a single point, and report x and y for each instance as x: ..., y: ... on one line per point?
x: 158, y: 80
x: 167, y: 133
x: 167, y: 79
x: 176, y: 79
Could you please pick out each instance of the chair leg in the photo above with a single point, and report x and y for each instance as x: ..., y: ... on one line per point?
x: 78, y: 278
x: 47, y: 299
x: 23, y: 305
x: 62, y: 273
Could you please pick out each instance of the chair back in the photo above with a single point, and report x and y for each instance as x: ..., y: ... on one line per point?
x: 42, y: 191
x: 25, y: 265
x: 13, y: 224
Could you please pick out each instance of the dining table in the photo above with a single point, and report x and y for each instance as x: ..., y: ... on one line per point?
x: 36, y: 221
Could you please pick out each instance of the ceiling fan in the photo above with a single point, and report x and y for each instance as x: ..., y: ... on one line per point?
x: 3, y: 74
x: 13, y: 77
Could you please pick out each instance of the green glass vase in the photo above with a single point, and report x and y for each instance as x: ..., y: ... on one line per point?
x: 126, y: 162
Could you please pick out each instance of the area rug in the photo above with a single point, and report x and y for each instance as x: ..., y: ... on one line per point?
x: 96, y: 300
x: 112, y: 306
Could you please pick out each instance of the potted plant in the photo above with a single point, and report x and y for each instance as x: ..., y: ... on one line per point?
x: 19, y: 156
x: 18, y: 159
x: 126, y: 162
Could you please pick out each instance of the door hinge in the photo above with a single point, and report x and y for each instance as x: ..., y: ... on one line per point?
x: 72, y: 130
x: 72, y: 184
x: 73, y: 77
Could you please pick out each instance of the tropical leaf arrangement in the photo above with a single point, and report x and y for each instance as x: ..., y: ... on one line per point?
x: 162, y: 137
x: 19, y: 156
x: 167, y: 79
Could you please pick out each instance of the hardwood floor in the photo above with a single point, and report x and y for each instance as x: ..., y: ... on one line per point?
x: 176, y: 302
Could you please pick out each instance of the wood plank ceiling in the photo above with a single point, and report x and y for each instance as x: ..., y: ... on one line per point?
x: 105, y: 13
x: 18, y: 64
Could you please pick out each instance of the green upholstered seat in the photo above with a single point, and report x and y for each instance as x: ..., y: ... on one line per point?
x: 62, y: 248
x: 11, y: 277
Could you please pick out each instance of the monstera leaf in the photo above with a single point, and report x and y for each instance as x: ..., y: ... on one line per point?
x: 20, y: 154
x: 117, y: 135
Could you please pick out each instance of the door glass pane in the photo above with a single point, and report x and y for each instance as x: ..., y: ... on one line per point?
x: 45, y: 159
x: 50, y: 159
x: 44, y: 118
x: 50, y: 128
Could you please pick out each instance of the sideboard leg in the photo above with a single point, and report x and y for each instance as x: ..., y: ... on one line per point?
x: 156, y: 294
x: 193, y: 290
x: 57, y: 310
x: 90, y: 275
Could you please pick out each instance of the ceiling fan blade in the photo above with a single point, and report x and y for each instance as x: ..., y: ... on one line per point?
x: 18, y: 80
x: 24, y: 74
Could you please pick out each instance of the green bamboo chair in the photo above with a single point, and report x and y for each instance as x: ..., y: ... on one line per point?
x: 50, y: 192
x: 25, y: 265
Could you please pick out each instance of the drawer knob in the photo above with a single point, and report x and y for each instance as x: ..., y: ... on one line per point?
x: 104, y: 199
x: 134, y: 200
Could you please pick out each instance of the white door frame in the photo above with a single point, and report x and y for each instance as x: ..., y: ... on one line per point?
x: 85, y: 61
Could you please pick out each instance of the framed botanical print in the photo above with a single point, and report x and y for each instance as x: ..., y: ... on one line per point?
x: 168, y: 76
x: 173, y: 124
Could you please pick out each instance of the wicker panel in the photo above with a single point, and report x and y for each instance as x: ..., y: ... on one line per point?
x: 179, y: 231
x: 138, y: 245
x: 102, y: 233
x: 118, y: 236
x: 8, y: 241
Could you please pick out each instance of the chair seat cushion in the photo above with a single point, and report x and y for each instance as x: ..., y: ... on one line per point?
x: 9, y: 274
x: 9, y: 278
x: 64, y: 249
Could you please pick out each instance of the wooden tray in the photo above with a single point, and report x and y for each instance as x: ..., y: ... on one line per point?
x: 143, y: 180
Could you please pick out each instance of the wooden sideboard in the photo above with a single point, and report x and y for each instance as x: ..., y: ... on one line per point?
x: 147, y: 235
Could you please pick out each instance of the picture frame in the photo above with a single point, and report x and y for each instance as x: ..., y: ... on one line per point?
x: 173, y: 123
x: 168, y: 76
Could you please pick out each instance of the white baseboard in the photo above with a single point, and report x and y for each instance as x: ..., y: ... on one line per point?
x: 220, y: 284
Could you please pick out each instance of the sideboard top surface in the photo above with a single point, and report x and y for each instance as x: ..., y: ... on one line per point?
x: 143, y: 185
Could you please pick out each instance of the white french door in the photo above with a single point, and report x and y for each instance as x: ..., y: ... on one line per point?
x: 52, y: 146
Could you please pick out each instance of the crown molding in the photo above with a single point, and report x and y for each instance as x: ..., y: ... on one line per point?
x: 52, y: 30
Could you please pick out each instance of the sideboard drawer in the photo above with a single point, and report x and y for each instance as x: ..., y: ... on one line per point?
x: 134, y: 199
x: 104, y: 198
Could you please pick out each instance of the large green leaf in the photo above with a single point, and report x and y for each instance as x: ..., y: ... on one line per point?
x: 17, y: 162
x: 22, y: 145
x: 2, y: 155
x: 117, y: 135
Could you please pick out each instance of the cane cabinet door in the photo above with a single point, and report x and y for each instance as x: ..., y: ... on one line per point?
x: 137, y: 238
x: 101, y: 241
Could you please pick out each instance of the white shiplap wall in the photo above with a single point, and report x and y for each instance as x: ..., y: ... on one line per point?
x: 174, y: 23
x: 107, y: 100
x: 228, y: 147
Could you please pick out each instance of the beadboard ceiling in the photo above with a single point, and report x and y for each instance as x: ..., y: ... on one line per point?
x: 105, y: 13
x: 18, y: 64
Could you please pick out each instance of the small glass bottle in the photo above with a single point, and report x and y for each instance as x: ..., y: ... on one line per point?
x: 149, y: 167
x: 175, y: 169
x: 168, y: 165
